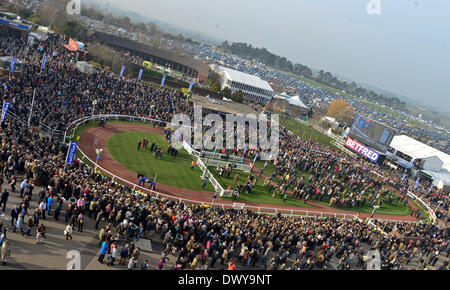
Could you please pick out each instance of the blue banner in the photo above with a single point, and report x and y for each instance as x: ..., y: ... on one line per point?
x: 121, y: 71
x: 140, y: 74
x: 13, y: 63
x: 245, y: 149
x: 6, y: 106
x: 44, y: 60
x: 254, y: 159
x: 71, y: 152
x: 190, y: 86
x: 417, y: 182
x: 431, y: 187
x: 404, y: 176
x: 163, y: 80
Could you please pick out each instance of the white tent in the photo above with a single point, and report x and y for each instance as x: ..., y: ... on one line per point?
x: 295, y: 100
x: 439, y: 177
x: 418, y: 150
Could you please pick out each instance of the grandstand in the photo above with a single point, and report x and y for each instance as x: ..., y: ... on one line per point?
x: 182, y: 64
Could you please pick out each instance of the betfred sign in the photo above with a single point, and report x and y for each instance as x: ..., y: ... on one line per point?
x: 362, y: 149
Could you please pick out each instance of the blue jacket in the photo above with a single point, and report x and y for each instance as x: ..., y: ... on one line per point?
x: 104, y: 248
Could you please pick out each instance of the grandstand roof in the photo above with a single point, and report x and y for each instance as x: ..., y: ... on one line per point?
x: 244, y: 78
x: 146, y: 49
x: 417, y: 149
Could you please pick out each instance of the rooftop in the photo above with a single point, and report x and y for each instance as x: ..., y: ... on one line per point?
x: 417, y: 149
x: 244, y: 78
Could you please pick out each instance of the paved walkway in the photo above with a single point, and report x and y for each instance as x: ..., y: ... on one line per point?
x: 97, y: 137
x: 51, y: 255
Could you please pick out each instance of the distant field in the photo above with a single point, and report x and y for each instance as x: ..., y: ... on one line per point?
x: 306, y: 132
x: 369, y: 104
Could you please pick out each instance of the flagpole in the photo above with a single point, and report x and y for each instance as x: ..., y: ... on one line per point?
x: 32, y: 104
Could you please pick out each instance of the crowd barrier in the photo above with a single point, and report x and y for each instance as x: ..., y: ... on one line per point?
x: 238, y: 166
x: 220, y: 156
x: 69, y: 133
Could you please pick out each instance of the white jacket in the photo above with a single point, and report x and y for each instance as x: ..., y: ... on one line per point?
x: 69, y: 229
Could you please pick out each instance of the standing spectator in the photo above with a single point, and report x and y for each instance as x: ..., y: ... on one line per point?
x: 30, y: 224
x: 49, y: 204
x: 23, y: 185
x: 144, y: 265
x: 68, y: 231
x: 80, y: 222
x: 123, y: 254
x: 113, y: 256
x: 4, y: 199
x: 58, y: 209
x: 40, y: 234
x: 14, y: 214
x: 12, y: 183
x: 231, y: 265
x: 20, y: 224
x: 6, y: 251
x: 103, y: 251
x: 132, y: 263
x: 43, y: 208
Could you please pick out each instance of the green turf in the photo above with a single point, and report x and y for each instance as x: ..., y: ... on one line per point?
x: 259, y: 193
x: 173, y: 171
x: 305, y: 132
x: 390, y: 209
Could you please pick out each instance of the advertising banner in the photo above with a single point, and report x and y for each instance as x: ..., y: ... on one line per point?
x: 71, y: 152
x: 362, y: 149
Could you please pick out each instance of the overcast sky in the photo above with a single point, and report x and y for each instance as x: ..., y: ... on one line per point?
x: 405, y: 49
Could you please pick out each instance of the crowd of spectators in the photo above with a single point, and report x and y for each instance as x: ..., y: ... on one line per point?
x: 198, y: 237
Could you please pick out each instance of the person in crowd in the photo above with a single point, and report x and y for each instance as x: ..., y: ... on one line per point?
x: 4, y: 200
x: 68, y: 231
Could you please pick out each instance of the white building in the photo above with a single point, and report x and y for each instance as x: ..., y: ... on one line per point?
x: 253, y: 88
x: 406, y: 152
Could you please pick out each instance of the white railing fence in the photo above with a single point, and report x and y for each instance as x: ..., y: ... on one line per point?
x: 297, y: 212
x: 238, y: 166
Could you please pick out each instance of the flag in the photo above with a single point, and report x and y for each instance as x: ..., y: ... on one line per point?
x: 13, y: 62
x: 206, y: 141
x: 190, y: 86
x: 404, y: 176
x: 44, y: 60
x: 254, y: 160
x: 140, y: 74
x: 431, y: 187
x: 121, y: 71
x: 71, y: 152
x: 245, y: 149
x: 6, y: 106
x: 163, y: 80
x: 417, y: 182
